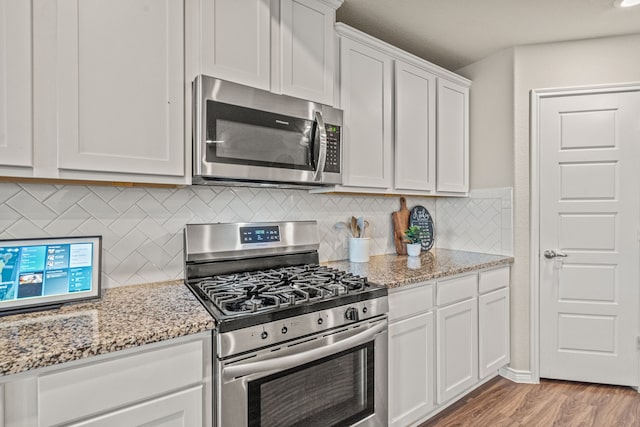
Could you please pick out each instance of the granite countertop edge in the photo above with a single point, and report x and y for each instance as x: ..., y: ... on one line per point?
x: 395, y: 271
x: 446, y: 273
x: 125, y: 317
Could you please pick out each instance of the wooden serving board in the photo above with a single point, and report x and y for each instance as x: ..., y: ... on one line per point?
x: 400, y: 224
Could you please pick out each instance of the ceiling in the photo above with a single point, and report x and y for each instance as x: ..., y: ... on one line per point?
x: 455, y: 33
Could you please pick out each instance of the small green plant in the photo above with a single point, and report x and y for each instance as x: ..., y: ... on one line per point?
x: 412, y: 234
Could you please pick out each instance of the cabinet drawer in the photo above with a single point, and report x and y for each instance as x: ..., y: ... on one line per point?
x: 493, y: 279
x: 79, y: 392
x: 458, y: 289
x: 179, y: 409
x: 407, y: 302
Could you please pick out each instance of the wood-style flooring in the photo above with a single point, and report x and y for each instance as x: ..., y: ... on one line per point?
x: 501, y: 402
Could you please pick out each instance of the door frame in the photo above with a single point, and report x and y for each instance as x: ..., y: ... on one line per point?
x: 536, y: 96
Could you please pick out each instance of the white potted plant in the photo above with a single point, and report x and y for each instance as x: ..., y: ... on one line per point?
x: 412, y: 236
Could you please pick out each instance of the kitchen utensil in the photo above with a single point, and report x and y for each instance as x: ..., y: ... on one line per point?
x: 360, y: 226
x: 400, y: 223
x: 420, y: 216
x: 354, y: 226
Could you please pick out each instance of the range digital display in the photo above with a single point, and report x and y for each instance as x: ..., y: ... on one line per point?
x: 38, y: 272
x: 269, y: 233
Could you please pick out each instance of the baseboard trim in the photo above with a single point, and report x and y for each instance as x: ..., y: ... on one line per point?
x: 517, y: 376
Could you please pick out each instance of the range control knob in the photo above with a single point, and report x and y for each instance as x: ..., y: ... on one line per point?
x: 264, y: 335
x: 352, y: 314
x: 284, y: 330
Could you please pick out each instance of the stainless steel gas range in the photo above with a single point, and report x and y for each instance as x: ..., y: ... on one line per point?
x: 296, y: 344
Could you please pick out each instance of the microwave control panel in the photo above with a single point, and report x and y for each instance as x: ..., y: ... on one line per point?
x: 333, y: 149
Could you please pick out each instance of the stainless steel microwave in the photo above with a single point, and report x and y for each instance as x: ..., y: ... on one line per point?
x: 249, y: 136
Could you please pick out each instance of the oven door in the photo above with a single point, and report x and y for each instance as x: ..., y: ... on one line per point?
x: 336, y: 379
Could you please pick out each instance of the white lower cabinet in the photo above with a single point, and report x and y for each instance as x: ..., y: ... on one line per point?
x: 162, y: 384
x: 445, y: 339
x: 457, y: 359
x: 411, y: 381
x: 182, y: 409
x: 493, y: 330
x: 411, y: 354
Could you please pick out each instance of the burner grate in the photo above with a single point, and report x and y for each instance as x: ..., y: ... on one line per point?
x: 257, y: 291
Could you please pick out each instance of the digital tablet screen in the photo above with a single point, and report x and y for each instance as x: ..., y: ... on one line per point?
x: 43, y: 272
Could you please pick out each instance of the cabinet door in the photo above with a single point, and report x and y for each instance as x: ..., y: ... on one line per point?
x: 102, y: 386
x: 236, y: 41
x: 16, y: 143
x: 457, y: 359
x: 415, y: 148
x: 453, y: 137
x: 493, y: 315
x: 120, y: 86
x: 365, y: 94
x: 308, y: 50
x: 411, y: 359
x: 183, y: 409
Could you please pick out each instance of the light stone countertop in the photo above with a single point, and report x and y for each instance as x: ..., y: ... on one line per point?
x: 124, y: 317
x: 394, y: 271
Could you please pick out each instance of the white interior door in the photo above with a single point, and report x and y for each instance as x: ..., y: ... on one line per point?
x: 589, y: 211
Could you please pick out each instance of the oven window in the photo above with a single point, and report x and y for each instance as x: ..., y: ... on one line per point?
x: 245, y: 136
x: 334, y: 391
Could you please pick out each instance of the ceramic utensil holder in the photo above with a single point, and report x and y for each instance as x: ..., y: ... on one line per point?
x: 359, y: 249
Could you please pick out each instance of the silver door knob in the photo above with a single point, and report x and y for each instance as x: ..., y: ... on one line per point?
x: 550, y: 253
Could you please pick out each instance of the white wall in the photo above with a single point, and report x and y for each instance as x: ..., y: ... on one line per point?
x: 555, y: 65
x: 491, y: 120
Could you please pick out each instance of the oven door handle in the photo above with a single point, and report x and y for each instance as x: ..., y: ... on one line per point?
x: 285, y: 362
x: 322, y: 153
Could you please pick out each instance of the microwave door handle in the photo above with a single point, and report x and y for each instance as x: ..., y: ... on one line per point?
x: 286, y: 362
x: 322, y: 155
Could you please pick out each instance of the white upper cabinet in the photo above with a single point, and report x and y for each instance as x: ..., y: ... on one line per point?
x: 308, y: 49
x: 16, y: 142
x: 235, y: 41
x: 285, y: 46
x: 120, y: 105
x: 404, y: 132
x: 415, y: 115
x: 93, y: 90
x: 453, y: 137
x: 365, y: 94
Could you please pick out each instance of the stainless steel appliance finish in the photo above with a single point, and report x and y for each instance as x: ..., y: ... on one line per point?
x: 221, y: 242
x: 296, y: 343
x: 367, y: 388
x: 248, y: 136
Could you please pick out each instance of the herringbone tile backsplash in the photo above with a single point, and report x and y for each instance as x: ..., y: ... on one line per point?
x: 142, y: 227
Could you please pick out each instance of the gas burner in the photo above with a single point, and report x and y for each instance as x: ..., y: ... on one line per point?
x: 337, y: 289
x: 263, y: 290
